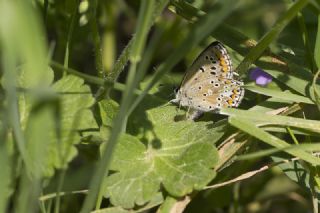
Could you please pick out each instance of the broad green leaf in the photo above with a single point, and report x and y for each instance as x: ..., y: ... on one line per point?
x: 27, y: 98
x: 179, y: 155
x: 75, y: 98
x: 38, y: 130
x: 108, y: 110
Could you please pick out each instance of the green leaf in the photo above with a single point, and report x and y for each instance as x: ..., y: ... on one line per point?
x: 27, y: 99
x: 75, y: 98
x: 179, y: 155
x: 38, y: 130
x: 108, y: 110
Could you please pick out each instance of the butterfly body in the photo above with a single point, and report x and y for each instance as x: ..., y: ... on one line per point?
x: 209, y: 83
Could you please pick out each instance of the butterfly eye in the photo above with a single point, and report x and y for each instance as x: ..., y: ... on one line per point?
x: 176, y: 90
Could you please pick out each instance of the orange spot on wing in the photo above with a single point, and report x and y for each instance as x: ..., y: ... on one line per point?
x: 225, y: 68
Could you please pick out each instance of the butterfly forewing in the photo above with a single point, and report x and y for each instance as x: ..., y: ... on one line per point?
x: 213, y: 62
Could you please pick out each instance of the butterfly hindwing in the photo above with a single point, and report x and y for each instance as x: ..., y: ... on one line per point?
x: 212, y: 95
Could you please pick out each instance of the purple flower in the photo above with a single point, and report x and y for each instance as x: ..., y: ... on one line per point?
x: 261, y: 77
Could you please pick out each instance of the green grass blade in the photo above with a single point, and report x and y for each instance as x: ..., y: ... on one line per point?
x: 17, y: 17
x: 306, y: 41
x: 268, y: 152
x: 144, y: 21
x: 124, y: 57
x: 317, y: 46
x: 70, y: 34
x: 264, y: 119
x: 96, y: 39
x: 258, y: 133
x: 299, y: 82
x: 5, y: 165
x: 270, y: 36
x: 279, y: 94
x: 316, y: 89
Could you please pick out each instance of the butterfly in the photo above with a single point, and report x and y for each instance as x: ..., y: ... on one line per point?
x: 209, y: 83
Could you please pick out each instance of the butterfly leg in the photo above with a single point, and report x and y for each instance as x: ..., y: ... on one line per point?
x: 194, y: 114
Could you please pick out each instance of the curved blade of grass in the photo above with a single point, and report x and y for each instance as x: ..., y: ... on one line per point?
x: 268, y: 152
x: 270, y: 36
x: 317, y: 46
x: 17, y: 17
x: 279, y: 94
x: 306, y: 41
x: 144, y: 22
x: 300, y: 82
x: 72, y: 23
x: 5, y: 164
x: 258, y: 133
x: 265, y: 119
x: 124, y: 56
x: 96, y: 38
x: 316, y: 89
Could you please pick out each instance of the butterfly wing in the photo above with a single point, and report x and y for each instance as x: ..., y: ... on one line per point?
x: 214, y: 94
x: 214, y: 61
